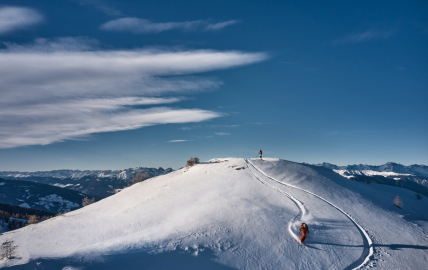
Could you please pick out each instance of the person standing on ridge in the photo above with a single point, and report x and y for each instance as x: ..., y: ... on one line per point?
x: 305, y: 230
x: 260, y: 153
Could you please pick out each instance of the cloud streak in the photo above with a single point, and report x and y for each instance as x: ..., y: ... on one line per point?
x: 221, y: 25
x: 16, y: 18
x: 100, y: 5
x: 53, y: 123
x: 116, y: 72
x: 370, y: 34
x: 210, y: 126
x: 143, y: 26
x: 55, y: 90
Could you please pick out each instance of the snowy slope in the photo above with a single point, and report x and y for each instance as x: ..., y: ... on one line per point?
x: 235, y: 214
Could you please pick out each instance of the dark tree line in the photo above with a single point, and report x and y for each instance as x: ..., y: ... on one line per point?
x: 6, y: 215
x: 23, y: 210
x: 17, y: 217
x: 12, y: 223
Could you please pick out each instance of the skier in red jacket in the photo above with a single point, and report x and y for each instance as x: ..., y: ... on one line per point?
x: 305, y: 230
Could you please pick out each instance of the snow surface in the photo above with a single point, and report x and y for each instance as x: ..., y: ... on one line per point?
x: 367, y: 242
x: 346, y: 174
x: 370, y: 173
x: 63, y: 186
x: 349, y: 174
x: 235, y: 214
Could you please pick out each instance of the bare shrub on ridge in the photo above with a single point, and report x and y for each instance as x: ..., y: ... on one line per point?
x: 86, y: 201
x: 192, y: 161
x: 398, y: 202
x: 7, y: 249
x: 140, y: 177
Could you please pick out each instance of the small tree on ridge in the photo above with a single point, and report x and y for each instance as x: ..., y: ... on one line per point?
x: 86, y: 201
x: 192, y: 161
x: 140, y: 177
x: 32, y: 220
x: 7, y: 249
x: 398, y: 202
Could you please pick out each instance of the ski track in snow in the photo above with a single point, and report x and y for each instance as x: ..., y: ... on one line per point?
x: 368, y: 244
x: 297, y: 202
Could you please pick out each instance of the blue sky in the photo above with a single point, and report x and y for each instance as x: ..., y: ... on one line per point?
x: 97, y: 84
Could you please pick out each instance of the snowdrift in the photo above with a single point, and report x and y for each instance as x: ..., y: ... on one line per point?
x: 234, y: 214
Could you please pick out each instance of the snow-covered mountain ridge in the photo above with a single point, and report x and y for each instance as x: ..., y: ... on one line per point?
x: 125, y: 174
x: 234, y: 214
x: 416, y: 170
x: 97, y: 183
x: 413, y: 177
x: 39, y: 196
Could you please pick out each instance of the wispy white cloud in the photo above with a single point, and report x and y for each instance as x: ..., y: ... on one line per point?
x: 134, y: 72
x: 364, y: 36
x: 36, y: 126
x: 178, y: 141
x: 136, y: 25
x: 15, y: 18
x: 54, y: 90
x: 220, y: 25
x: 100, y: 5
x: 62, y: 44
x: 221, y: 133
x: 209, y: 126
x: 143, y: 26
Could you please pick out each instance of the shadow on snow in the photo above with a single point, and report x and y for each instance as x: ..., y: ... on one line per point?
x: 178, y: 259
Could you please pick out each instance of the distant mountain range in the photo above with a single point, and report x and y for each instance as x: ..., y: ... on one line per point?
x: 412, y: 177
x: 95, y: 183
x: 39, y: 196
x: 417, y: 170
x: 64, y: 189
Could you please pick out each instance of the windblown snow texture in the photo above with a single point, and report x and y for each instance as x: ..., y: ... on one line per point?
x: 368, y: 245
x: 216, y: 216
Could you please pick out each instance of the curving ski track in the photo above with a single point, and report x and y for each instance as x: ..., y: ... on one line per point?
x: 368, y: 244
x: 297, y: 202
